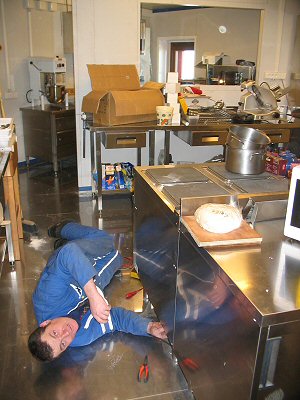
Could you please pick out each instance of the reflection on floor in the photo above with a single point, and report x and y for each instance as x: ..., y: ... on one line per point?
x: 108, y: 368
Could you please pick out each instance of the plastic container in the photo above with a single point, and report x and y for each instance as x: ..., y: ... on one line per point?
x: 164, y: 115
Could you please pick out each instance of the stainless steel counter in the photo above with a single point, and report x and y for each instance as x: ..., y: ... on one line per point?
x: 235, y: 311
x: 172, y: 183
x: 268, y: 276
x: 49, y: 133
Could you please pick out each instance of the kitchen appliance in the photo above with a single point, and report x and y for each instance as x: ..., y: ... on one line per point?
x: 292, y: 220
x: 259, y: 101
x: 47, y: 78
x: 213, y: 74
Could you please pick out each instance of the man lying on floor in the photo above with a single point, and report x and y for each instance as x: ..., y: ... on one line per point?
x: 69, y: 305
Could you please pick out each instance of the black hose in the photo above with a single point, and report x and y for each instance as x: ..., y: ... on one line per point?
x: 26, y: 95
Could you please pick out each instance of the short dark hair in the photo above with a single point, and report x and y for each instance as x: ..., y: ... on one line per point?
x: 38, y: 348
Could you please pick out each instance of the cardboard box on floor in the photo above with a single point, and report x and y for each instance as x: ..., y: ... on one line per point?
x: 117, y: 97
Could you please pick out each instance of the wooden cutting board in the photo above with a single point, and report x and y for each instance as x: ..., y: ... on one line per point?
x: 241, y: 236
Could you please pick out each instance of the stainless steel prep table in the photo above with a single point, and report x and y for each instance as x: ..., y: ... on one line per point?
x: 49, y: 133
x: 234, y: 311
x: 216, y: 134
x: 194, y: 135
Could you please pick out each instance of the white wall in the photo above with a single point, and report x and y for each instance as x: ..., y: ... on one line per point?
x: 23, y: 33
x: 109, y: 37
x: 107, y: 31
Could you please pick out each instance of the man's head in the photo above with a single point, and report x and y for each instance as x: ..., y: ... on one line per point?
x: 52, y: 337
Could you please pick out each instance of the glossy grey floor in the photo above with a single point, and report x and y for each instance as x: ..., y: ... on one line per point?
x: 106, y: 369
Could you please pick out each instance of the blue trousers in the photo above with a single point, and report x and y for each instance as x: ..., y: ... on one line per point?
x: 97, y: 246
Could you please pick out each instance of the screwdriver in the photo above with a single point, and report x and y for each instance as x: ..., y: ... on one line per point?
x: 131, y: 294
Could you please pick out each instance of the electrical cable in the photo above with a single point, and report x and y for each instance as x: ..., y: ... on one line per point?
x: 265, y: 83
x: 26, y: 95
x: 286, y: 95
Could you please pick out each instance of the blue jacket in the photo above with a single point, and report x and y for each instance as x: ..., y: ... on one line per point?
x: 60, y: 291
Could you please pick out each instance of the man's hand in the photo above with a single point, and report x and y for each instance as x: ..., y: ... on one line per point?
x: 156, y: 329
x: 98, y: 305
x: 100, y: 309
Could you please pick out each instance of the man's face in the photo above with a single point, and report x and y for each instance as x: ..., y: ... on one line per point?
x: 59, y: 333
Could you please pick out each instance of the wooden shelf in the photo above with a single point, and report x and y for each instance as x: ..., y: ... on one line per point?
x: 12, y: 200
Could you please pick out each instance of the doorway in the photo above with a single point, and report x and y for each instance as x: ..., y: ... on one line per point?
x: 182, y: 59
x: 176, y: 54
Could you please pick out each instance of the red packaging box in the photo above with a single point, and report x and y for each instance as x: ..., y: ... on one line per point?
x: 275, y: 164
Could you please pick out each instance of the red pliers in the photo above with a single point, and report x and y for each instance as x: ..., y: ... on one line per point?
x: 144, y: 371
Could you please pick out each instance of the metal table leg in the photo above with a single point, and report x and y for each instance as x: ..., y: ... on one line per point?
x: 139, y: 155
x: 99, y: 170
x: 93, y: 165
x: 167, y: 147
x: 151, y: 147
x: 54, y: 139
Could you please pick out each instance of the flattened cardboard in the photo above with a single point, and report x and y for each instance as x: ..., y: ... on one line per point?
x: 117, y: 97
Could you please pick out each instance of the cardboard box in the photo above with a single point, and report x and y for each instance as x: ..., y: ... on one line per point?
x: 172, y: 98
x: 173, y: 87
x: 176, y: 107
x: 275, y: 164
x: 117, y: 97
x: 172, y: 77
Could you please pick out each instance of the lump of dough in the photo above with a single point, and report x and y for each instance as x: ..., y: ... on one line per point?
x: 218, y: 218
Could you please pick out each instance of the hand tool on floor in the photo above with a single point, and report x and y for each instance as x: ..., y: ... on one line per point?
x: 134, y: 274
x: 190, y: 364
x: 186, y: 362
x: 131, y: 294
x: 128, y: 263
x: 144, y: 371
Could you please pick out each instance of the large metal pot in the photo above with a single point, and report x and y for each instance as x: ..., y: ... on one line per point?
x: 242, y: 137
x: 244, y: 161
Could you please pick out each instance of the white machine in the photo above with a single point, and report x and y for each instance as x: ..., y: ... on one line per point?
x: 258, y: 100
x: 47, y: 79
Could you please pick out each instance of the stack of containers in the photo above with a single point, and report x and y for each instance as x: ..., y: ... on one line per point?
x: 172, y: 90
